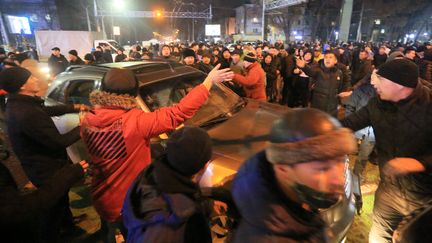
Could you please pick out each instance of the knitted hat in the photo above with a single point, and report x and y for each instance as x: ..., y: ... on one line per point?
x: 188, y: 53
x: 188, y: 150
x: 12, y: 79
x: 73, y: 53
x: 120, y: 81
x: 250, y: 57
x: 400, y: 71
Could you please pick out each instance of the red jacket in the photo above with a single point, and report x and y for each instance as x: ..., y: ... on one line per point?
x: 118, y: 142
x: 254, y: 82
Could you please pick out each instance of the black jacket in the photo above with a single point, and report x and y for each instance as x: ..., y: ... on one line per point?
x: 78, y: 61
x: 267, y: 214
x: 379, y: 60
x: 204, y: 67
x: 120, y: 58
x: 34, y: 137
x: 19, y: 213
x: 164, y: 206
x: 362, y: 70
x: 57, y: 64
x: 329, y: 82
x: 402, y: 129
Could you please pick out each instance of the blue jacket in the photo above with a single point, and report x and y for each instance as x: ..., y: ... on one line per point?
x: 268, y: 215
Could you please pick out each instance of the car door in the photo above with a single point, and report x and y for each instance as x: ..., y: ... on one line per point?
x: 73, y: 91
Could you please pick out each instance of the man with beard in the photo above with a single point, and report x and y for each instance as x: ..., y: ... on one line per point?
x: 279, y: 191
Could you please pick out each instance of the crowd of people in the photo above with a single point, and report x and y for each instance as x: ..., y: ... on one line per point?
x: 384, y: 88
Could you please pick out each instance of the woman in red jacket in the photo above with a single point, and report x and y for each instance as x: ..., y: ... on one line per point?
x: 254, y: 81
x: 117, y: 134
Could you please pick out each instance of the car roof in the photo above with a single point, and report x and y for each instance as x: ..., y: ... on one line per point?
x: 146, y: 71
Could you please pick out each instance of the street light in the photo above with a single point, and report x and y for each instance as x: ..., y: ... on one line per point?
x: 157, y: 13
x: 119, y: 4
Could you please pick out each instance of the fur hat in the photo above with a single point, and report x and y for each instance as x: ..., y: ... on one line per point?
x: 12, y: 79
x: 188, y: 53
x: 120, y: 81
x: 188, y: 150
x: 304, y: 135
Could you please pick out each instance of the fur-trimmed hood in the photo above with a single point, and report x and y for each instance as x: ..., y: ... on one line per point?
x: 105, y: 99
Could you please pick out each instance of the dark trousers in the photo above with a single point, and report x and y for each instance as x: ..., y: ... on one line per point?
x: 50, y: 222
x: 390, y: 207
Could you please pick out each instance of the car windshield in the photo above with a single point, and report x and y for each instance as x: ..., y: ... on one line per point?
x: 220, y: 105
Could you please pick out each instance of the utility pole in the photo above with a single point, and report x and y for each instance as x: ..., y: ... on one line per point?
x: 88, y: 19
x: 359, y: 34
x: 4, y: 35
x: 346, y: 20
x: 263, y: 21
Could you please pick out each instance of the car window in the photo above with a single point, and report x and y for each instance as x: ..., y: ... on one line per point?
x: 169, y: 92
x: 78, y: 91
x: 58, y: 93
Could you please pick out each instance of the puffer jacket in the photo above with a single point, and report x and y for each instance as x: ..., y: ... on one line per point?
x: 267, y: 214
x: 164, y: 206
x: 402, y: 129
x: 328, y: 83
x: 254, y: 82
x: 118, y: 141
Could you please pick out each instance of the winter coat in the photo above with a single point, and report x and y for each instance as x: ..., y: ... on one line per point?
x: 267, y: 214
x: 107, y: 56
x: 164, y: 206
x: 271, y: 75
x: 253, y: 83
x: 364, y: 67
x: 120, y: 58
x: 426, y: 70
x: 225, y: 63
x: 78, y: 61
x: 118, y: 141
x: 379, y: 60
x: 19, y: 213
x: 57, y: 64
x: 357, y: 100
x: 206, y: 68
x: 402, y: 129
x: 34, y: 137
x: 329, y: 82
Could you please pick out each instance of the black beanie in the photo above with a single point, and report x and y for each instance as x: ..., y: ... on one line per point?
x: 188, y: 150
x: 188, y: 53
x: 120, y: 81
x: 250, y: 57
x: 400, y: 71
x: 12, y: 79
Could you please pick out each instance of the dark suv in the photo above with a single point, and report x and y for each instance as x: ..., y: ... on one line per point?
x: 238, y: 127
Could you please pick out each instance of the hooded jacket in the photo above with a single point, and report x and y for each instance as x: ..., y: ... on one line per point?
x: 164, y: 206
x: 118, y: 141
x: 254, y: 82
x: 267, y: 214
